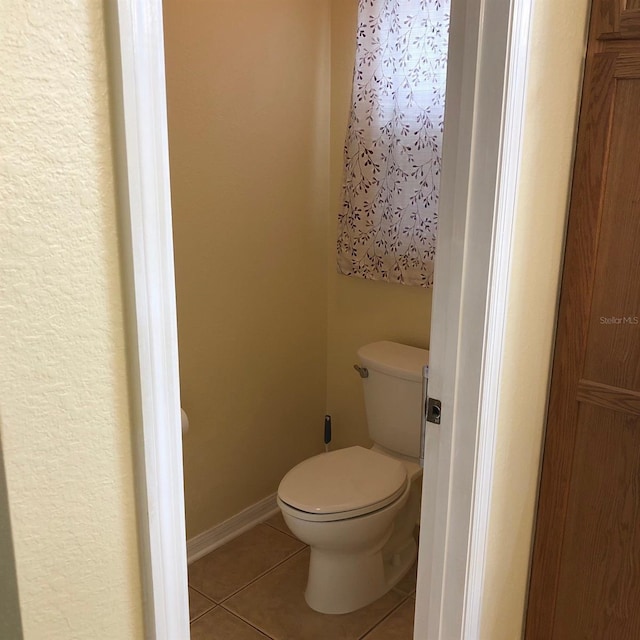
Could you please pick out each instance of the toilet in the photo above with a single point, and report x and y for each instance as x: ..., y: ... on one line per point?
x: 356, y: 508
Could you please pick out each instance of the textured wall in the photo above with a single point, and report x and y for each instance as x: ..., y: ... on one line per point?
x: 359, y: 311
x: 248, y: 107
x: 63, y: 389
x: 558, y: 33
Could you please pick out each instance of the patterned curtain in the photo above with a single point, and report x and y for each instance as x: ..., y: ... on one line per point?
x: 387, y: 226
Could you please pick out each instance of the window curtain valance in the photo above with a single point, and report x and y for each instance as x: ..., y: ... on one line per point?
x: 388, y: 222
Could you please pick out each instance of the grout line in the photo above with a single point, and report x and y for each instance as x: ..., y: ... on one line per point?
x: 248, y: 622
x: 262, y: 575
x: 214, y: 604
x: 387, y: 615
x: 231, y: 613
x: 204, y: 613
x: 204, y: 595
x: 288, y: 533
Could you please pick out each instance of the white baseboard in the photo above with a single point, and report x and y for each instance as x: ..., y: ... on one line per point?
x: 215, y: 537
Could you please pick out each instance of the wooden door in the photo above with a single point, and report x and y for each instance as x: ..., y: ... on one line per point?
x: 616, y: 20
x: 585, y: 575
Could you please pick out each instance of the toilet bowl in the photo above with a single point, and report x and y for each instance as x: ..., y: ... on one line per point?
x: 356, y: 508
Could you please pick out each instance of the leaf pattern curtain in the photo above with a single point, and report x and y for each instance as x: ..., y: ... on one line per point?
x: 388, y: 223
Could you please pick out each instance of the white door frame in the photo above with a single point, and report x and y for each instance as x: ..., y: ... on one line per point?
x: 485, y: 98
x: 138, y: 98
x: 487, y: 69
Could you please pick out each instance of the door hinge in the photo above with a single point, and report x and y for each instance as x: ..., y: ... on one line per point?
x: 433, y: 410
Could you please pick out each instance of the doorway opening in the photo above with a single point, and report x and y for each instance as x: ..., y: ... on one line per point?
x: 479, y: 65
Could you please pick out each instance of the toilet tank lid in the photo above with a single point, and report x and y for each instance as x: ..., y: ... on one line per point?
x: 394, y: 359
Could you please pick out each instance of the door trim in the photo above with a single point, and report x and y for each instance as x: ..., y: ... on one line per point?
x: 510, y: 153
x: 138, y: 101
x: 481, y: 160
x: 486, y: 85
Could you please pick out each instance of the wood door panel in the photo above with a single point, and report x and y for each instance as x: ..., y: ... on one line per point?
x: 585, y: 573
x: 615, y: 20
x: 577, y: 280
x: 630, y: 23
x: 614, y: 328
x: 601, y: 550
x: 604, y: 395
x: 627, y: 66
x: 605, y: 18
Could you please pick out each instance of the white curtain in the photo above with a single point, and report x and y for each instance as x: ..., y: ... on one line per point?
x: 388, y: 223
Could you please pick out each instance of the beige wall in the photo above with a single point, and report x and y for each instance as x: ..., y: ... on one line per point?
x: 258, y: 97
x: 63, y: 388
x: 359, y: 311
x: 558, y: 45
x: 248, y: 99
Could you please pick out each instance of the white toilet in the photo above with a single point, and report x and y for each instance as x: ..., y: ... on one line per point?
x: 356, y: 508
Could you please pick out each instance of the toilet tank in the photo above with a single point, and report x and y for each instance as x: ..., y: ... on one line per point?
x: 393, y: 395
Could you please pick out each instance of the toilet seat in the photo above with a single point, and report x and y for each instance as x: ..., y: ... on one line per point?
x: 342, y: 484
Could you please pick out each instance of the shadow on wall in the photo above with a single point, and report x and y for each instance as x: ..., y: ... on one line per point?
x: 10, y: 622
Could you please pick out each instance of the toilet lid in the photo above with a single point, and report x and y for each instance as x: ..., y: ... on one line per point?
x: 343, y: 480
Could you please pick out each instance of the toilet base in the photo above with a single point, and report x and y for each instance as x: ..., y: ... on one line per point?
x: 355, y: 561
x: 355, y: 580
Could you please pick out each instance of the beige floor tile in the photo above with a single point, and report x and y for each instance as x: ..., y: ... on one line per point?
x: 278, y: 522
x: 222, y: 625
x: 398, y: 626
x: 231, y: 567
x: 275, y: 604
x: 198, y: 604
x: 407, y: 584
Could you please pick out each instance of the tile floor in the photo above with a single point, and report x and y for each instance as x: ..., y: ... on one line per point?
x: 252, y: 588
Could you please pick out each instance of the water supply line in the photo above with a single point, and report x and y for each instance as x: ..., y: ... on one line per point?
x: 327, y: 432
